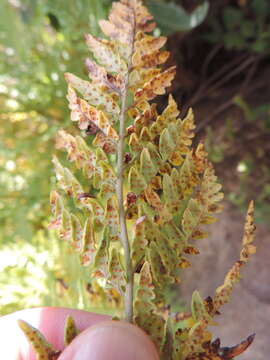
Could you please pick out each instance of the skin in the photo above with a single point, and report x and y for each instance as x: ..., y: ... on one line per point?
x: 100, y: 339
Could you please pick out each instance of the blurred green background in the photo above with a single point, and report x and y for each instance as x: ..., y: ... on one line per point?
x: 221, y: 49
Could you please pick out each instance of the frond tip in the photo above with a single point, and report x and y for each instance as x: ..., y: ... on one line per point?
x: 43, y: 349
x: 223, y: 293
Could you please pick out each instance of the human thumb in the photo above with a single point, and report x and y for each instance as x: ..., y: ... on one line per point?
x: 111, y: 340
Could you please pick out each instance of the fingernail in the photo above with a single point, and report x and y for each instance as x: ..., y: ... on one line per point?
x: 111, y: 340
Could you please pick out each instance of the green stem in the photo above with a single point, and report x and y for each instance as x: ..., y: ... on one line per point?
x: 120, y: 195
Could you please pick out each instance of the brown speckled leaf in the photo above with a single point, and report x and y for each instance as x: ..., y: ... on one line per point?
x: 136, y: 181
x: 89, y: 244
x: 93, y: 93
x: 70, y: 330
x: 156, y: 86
x: 43, y: 349
x: 111, y: 219
x: 104, y: 53
x: 117, y: 273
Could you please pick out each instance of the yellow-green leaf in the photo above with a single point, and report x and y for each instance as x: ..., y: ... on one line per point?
x: 70, y: 330
x: 136, y: 181
x: 147, y: 167
x: 43, y: 349
x: 89, y: 244
x: 166, y: 144
x: 117, y: 273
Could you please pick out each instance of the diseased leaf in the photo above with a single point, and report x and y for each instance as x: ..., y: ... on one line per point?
x: 147, y: 167
x: 150, y: 60
x: 65, y: 230
x: 111, y: 219
x: 170, y: 194
x: 105, y: 54
x: 145, y: 135
x: 136, y: 181
x: 117, y: 273
x: 121, y: 24
x: 159, y: 272
x: 223, y: 293
x: 184, y: 263
x: 147, y: 44
x: 186, y: 131
x: 153, y: 323
x: 200, y: 211
x: 70, y: 330
x: 248, y: 238
x: 143, y: 17
x: 108, y: 181
x: 102, y: 257
x: 166, y: 144
x: 166, y: 253
x: 96, y: 209
x: 89, y: 244
x: 155, y: 156
x: 200, y: 158
x: 169, y: 115
x: 231, y: 352
x: 187, y: 178
x: 145, y: 290
x: 43, y: 349
x: 77, y: 233
x: 104, y: 142
x: 175, y: 237
x: 57, y: 209
x: 139, y: 77
x: 134, y: 144
x: 97, y: 73
x: 108, y: 82
x: 78, y: 152
x: 153, y: 199
x: 144, y: 119
x: 199, y: 311
x: 92, y: 93
x: 156, y: 86
x: 139, y: 241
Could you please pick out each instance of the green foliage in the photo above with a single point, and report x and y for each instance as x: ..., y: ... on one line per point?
x: 52, y: 43
x: 33, y: 108
x: 173, y: 17
x: 45, y: 275
x: 243, y: 27
x: 151, y: 191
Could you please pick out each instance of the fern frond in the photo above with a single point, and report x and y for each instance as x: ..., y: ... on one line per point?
x: 149, y: 192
